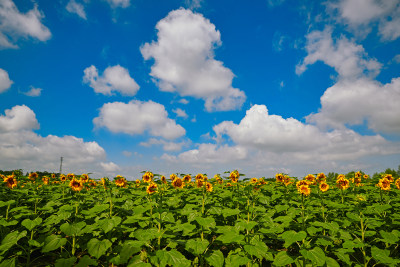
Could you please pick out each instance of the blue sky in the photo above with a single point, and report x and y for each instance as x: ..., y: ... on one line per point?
x: 122, y: 86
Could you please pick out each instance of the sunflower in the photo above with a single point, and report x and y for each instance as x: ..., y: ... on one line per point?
x: 137, y: 181
x: 384, y: 184
x: 148, y: 177
x: 366, y: 176
x: 253, y: 180
x: 104, y: 181
x: 76, y: 185
x: 287, y: 180
x: 33, y: 176
x: 70, y: 176
x: 342, y: 183
x: 199, y: 176
x: 301, y: 182
x: 63, y: 178
x: 304, y: 190
x: 310, y: 178
x: 45, y: 180
x: 178, y: 183
x: 84, y: 178
x: 358, y: 174
x: 120, y: 181
x: 234, y: 176
x: 321, y: 177
x: 397, y: 183
x: 199, y: 183
x: 228, y: 184
x: 389, y: 177
x: 151, y: 188
x: 209, y: 187
x: 323, y: 187
x: 10, y: 181
x: 53, y: 176
x: 173, y: 176
x: 187, y: 178
x: 163, y: 179
x: 217, y: 176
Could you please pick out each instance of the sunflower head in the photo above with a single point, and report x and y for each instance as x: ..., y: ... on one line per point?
x: 120, y: 181
x: 70, y: 176
x: 173, y: 176
x: 10, y: 181
x: 358, y: 175
x: 397, y: 183
x: 234, y: 176
x: 63, y: 178
x: 199, y: 183
x: 253, y: 180
x: 199, y: 176
x: 321, y: 177
x: 76, y: 185
x: 187, y: 178
x: 148, y: 177
x: 366, y: 176
x: 287, y: 180
x: 310, y: 178
x: 279, y: 177
x: 177, y: 183
x: 389, y: 177
x: 323, y: 187
x: 33, y: 176
x: 84, y: 178
x: 209, y: 187
x: 151, y: 188
x: 384, y: 184
x: 163, y: 179
x: 342, y: 183
x: 304, y: 190
x: 45, y: 180
x: 301, y: 182
x: 53, y: 176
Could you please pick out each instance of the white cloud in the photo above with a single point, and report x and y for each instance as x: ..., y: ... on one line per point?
x: 361, y: 15
x: 109, y: 167
x: 115, y: 78
x: 348, y: 59
x: 396, y: 58
x: 22, y: 148
x: 34, y: 92
x: 274, y: 3
x: 76, y: 8
x: 5, y: 81
x: 167, y: 146
x: 353, y: 102
x: 14, y: 24
x: 127, y: 153
x: 263, y: 143
x: 193, y: 4
x: 184, y: 61
x: 185, y: 101
x: 18, y: 118
x: 136, y: 117
x: 180, y: 113
x: 119, y: 3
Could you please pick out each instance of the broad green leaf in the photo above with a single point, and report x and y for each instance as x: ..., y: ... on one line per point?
x: 282, y: 259
x: 259, y: 250
x: 291, y: 237
x: 97, y: 248
x: 352, y: 216
x: 236, y: 260
x: 74, y: 229
x: 34, y: 243
x: 229, y: 212
x: 8, y: 263
x: 53, y: 242
x: 331, y: 262
x: 10, y: 240
x: 86, y: 261
x: 216, y: 259
x: 5, y: 223
x: 196, y: 246
x: 108, y: 224
x: 30, y: 224
x: 343, y: 255
x: 65, y: 262
x: 96, y: 209
x: 172, y: 258
x: 316, y: 256
x: 231, y: 237
x: 391, y: 238
x: 147, y: 234
x: 382, y: 255
x: 128, y: 249
x: 186, y: 228
x: 247, y: 225
x: 207, y: 222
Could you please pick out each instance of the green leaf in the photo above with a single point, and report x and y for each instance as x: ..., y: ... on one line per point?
x: 34, y: 243
x: 187, y: 228
x: 147, y: 234
x: 128, y: 249
x: 196, y: 246
x: 86, y: 261
x: 216, y: 259
x: 316, y: 256
x: 10, y: 240
x: 74, y: 229
x: 291, y: 237
x: 343, y: 255
x: 30, y: 224
x: 65, y: 262
x: 259, y: 249
x: 96, y: 209
x: 382, y: 255
x: 230, y: 212
x: 231, y: 237
x: 331, y: 262
x: 172, y: 257
x: 8, y: 263
x: 207, y: 222
x: 391, y: 238
x: 53, y: 242
x: 108, y: 224
x: 282, y: 259
x: 97, y: 248
x: 236, y: 260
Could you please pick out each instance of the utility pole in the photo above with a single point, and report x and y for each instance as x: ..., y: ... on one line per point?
x: 61, y: 164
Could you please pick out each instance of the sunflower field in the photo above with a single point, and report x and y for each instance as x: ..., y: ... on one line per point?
x: 184, y: 220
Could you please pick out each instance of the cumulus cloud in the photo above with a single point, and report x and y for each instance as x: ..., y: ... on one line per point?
x: 76, y: 8
x: 184, y: 61
x: 167, y: 145
x: 363, y: 14
x: 22, y: 148
x: 34, y: 92
x: 119, y: 3
x: 353, y: 102
x: 18, y: 118
x: 348, y: 59
x: 115, y: 78
x: 14, y: 24
x: 109, y: 167
x: 137, y: 117
x: 180, y: 113
x: 5, y: 81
